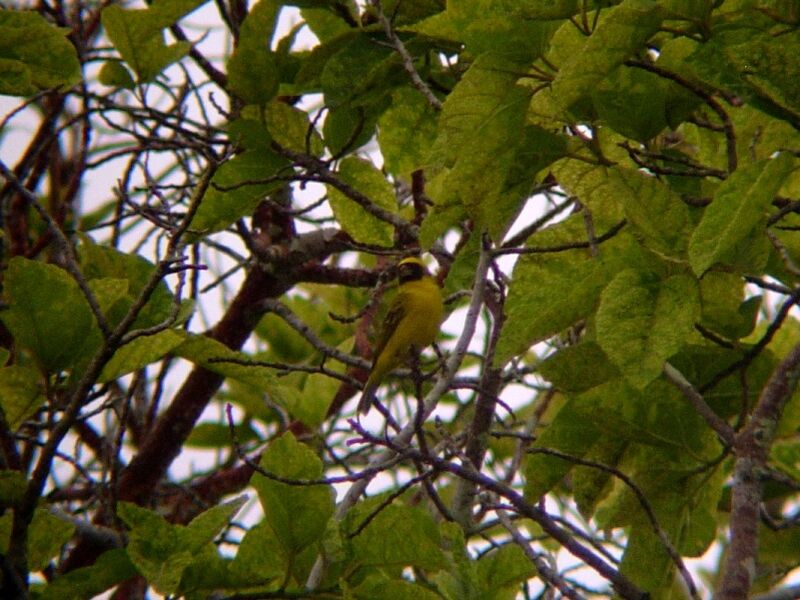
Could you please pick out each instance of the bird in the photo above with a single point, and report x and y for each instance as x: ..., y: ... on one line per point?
x: 411, y: 324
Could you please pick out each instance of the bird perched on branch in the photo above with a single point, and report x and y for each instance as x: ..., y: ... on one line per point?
x: 411, y: 324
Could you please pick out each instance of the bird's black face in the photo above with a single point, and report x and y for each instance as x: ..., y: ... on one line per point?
x: 410, y: 271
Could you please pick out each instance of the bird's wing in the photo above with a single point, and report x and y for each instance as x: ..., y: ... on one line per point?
x: 393, y: 317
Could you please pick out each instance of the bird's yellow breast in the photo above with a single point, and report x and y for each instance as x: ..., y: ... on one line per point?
x: 418, y: 308
x: 420, y: 303
x: 423, y: 310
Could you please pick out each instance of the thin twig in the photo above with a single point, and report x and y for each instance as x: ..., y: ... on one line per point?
x: 550, y: 575
x: 643, y: 502
x: 525, y: 233
x: 621, y: 584
x: 717, y: 423
x: 406, y: 58
x: 64, y: 246
x: 429, y: 403
x: 562, y: 247
x: 705, y: 96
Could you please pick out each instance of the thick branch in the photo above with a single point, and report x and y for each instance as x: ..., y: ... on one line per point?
x: 752, y: 447
x: 165, y: 440
x: 475, y: 449
x: 23, y: 514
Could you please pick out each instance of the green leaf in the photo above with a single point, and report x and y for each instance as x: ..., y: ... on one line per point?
x: 138, y: 35
x: 738, y: 212
x: 442, y: 215
x: 590, y: 484
x: 724, y: 308
x: 117, y: 278
x: 545, y: 9
x: 111, y: 568
x: 379, y: 586
x: 767, y: 66
x: 218, y: 435
x: 406, y: 131
x: 659, y: 216
x: 643, y: 321
x: 492, y: 155
x: 211, y: 355
x: 399, y: 536
x: 208, y: 574
x: 155, y: 547
x: 286, y: 344
x: 538, y: 149
x: 633, y: 102
x: 252, y: 72
x: 621, y: 33
x: 21, y: 394
x: 685, y: 505
x: 759, y: 136
x: 206, y: 526
x: 535, y: 311
x: 114, y: 74
x: 504, y: 569
x: 237, y: 188
x: 462, y: 271
x: 297, y: 514
x: 34, y: 55
x: 310, y: 405
x: 347, y: 128
x: 324, y: 23
x: 309, y: 74
x: 578, y: 368
x: 786, y: 454
x: 362, y: 226
x: 359, y: 72
x: 12, y: 488
x: 15, y: 78
x: 693, y: 10
x: 573, y: 430
x: 110, y: 293
x: 778, y: 555
x: 517, y: 31
x: 260, y: 557
x: 411, y: 12
x: 139, y: 353
x: 290, y: 127
x: 485, y: 103
x: 162, y: 551
x: 460, y: 581
x: 46, y: 535
x: 646, y: 563
x: 250, y: 132
x: 48, y: 314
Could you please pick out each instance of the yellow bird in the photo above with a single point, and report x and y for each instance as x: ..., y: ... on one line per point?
x: 412, y: 322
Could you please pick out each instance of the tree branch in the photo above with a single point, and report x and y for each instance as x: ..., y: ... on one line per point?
x: 717, y: 423
x: 751, y: 447
x: 429, y: 404
x: 406, y: 58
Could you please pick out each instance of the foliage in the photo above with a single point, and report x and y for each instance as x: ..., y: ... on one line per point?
x: 199, y: 229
